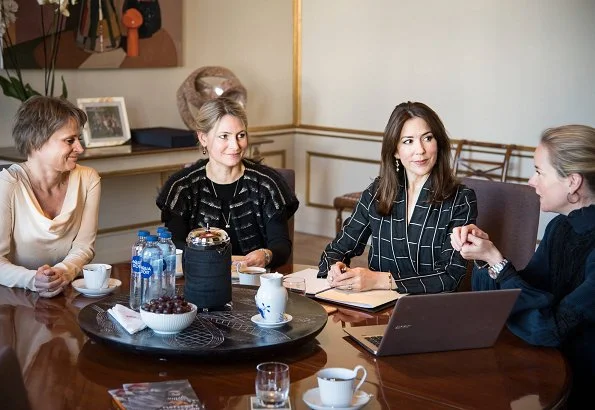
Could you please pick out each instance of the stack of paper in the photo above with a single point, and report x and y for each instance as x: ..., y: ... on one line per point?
x: 319, y: 288
x: 314, y: 284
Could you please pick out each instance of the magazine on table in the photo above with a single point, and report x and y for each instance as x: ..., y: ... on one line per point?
x: 165, y: 395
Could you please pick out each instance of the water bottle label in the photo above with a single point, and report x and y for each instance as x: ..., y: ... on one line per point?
x: 146, y: 270
x: 136, y: 261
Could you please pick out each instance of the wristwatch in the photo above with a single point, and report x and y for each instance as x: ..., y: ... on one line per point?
x: 495, y: 269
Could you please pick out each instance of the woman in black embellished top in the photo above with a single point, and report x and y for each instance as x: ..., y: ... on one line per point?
x: 557, y: 303
x: 409, y: 212
x: 250, y: 201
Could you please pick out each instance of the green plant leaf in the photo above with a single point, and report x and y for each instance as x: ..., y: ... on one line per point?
x: 12, y: 87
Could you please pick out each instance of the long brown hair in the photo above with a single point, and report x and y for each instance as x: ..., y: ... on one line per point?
x: 443, y: 181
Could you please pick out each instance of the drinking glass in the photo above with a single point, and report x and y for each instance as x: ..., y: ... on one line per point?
x: 295, y: 285
x: 272, y: 383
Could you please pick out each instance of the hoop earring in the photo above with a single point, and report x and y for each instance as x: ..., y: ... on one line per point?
x: 569, y: 196
x: 397, y: 164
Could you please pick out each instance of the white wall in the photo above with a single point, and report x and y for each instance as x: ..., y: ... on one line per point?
x: 495, y: 70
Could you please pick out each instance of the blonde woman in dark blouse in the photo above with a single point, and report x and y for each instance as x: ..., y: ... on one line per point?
x: 250, y: 201
x: 409, y: 211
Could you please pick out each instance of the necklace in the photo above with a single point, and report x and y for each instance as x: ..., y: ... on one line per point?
x: 228, y: 219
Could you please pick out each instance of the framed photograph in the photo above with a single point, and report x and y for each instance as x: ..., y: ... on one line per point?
x: 108, y: 122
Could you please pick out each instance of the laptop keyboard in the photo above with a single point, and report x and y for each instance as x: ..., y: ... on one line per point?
x: 375, y: 340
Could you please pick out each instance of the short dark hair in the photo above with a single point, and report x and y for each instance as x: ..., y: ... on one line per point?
x: 443, y: 180
x: 38, y: 118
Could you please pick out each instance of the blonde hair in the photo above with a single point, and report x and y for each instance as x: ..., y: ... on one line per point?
x: 572, y: 151
x: 215, y: 109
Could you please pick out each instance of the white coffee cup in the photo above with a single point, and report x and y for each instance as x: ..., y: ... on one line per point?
x: 179, y: 269
x: 97, y: 275
x: 250, y: 275
x: 335, y: 385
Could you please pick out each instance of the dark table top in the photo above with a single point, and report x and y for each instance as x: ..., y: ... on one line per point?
x: 229, y: 333
x: 64, y: 369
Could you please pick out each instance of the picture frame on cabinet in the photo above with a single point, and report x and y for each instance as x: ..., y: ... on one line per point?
x: 107, y: 123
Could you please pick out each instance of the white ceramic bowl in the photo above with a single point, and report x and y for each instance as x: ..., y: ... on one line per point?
x: 171, y: 323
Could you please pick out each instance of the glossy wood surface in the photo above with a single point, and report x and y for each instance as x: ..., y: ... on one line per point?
x: 63, y: 369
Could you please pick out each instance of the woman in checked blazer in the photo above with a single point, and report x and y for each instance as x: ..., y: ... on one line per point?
x: 409, y: 211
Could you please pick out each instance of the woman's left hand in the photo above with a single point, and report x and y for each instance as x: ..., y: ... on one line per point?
x: 49, y: 281
x: 354, y: 279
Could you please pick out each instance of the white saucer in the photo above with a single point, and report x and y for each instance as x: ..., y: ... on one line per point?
x: 259, y: 321
x: 312, y: 399
x: 79, y: 285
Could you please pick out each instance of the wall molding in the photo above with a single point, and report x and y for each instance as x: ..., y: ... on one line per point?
x: 312, y: 154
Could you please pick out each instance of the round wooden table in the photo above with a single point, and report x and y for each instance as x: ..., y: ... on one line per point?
x: 63, y: 369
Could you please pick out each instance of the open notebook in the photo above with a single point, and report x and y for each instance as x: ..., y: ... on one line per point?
x: 319, y: 288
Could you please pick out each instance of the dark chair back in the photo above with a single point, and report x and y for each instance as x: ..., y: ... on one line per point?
x: 289, y: 176
x: 509, y: 213
x: 13, y: 393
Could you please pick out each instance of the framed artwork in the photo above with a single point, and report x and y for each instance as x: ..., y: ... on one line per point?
x: 107, y: 123
x: 96, y: 34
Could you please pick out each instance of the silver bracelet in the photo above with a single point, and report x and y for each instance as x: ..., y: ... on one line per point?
x: 267, y: 256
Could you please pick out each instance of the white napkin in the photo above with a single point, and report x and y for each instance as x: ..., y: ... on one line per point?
x: 128, y: 318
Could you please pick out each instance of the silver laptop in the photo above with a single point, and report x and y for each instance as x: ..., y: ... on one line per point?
x: 439, y: 322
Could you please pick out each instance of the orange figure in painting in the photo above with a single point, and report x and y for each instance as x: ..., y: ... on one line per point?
x: 132, y: 19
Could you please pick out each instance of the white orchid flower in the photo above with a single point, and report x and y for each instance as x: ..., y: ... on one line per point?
x: 62, y: 5
x: 8, y: 10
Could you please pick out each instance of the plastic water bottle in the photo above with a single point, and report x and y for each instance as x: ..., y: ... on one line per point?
x: 151, y: 269
x: 135, y: 278
x: 169, y: 263
x: 161, y: 229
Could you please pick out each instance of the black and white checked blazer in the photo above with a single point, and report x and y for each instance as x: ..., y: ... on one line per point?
x: 419, y: 256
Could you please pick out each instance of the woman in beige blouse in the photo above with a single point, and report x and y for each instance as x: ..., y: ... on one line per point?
x: 49, y: 204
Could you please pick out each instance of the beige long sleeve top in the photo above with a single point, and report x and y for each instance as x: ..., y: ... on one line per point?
x: 28, y: 239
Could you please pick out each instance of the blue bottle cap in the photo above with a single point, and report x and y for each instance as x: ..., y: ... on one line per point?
x: 143, y: 233
x: 161, y: 229
x: 165, y: 234
x: 152, y: 238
